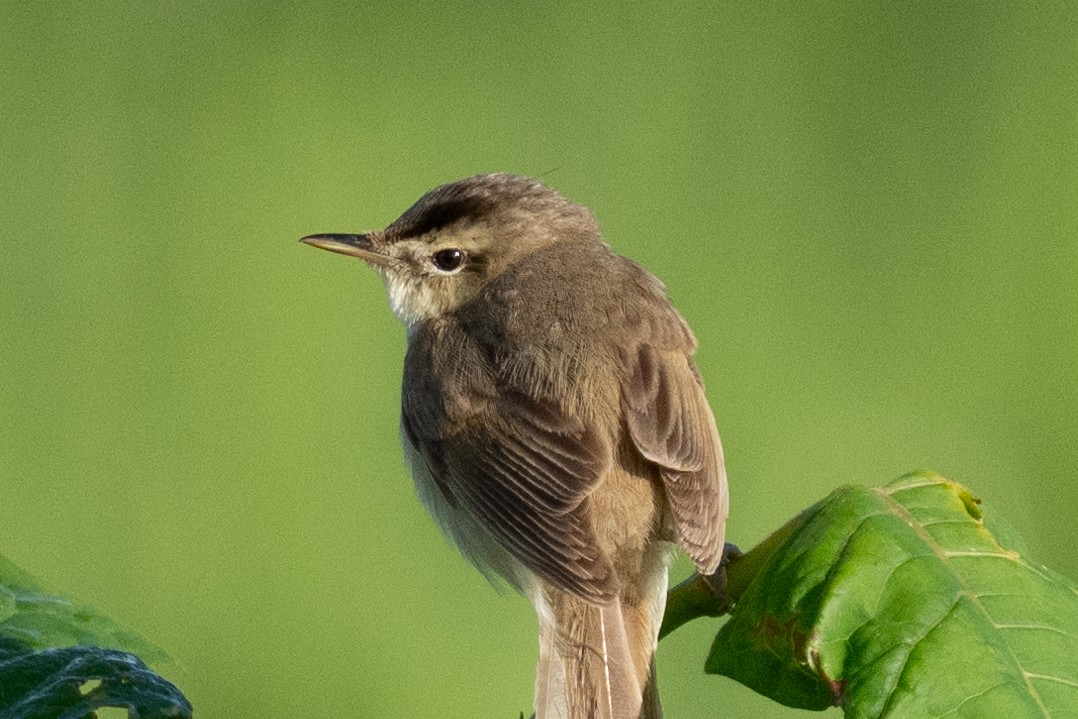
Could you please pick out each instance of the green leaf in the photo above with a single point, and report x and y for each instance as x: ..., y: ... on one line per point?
x: 74, y: 682
x: 39, y: 618
x: 901, y: 602
x: 42, y: 676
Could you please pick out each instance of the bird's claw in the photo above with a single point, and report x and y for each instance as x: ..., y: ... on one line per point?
x: 717, y: 580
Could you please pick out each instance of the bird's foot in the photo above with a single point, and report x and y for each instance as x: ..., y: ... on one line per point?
x: 717, y: 580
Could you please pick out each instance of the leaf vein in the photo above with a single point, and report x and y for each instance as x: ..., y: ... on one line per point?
x: 1050, y: 678
x: 941, y: 553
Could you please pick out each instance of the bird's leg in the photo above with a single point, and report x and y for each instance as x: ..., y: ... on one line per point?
x: 717, y: 580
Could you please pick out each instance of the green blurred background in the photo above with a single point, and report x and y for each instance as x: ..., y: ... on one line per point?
x: 866, y: 211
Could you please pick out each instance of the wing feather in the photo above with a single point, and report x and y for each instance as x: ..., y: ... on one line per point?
x: 524, y: 469
x: 671, y: 425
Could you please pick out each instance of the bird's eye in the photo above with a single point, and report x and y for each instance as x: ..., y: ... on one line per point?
x: 448, y: 260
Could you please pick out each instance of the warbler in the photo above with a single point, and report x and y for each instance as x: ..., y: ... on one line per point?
x: 554, y: 423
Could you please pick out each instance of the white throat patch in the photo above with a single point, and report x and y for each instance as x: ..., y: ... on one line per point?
x: 411, y: 298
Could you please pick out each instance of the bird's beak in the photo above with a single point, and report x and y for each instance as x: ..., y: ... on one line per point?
x: 353, y: 245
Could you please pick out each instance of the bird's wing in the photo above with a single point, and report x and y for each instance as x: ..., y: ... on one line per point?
x: 671, y: 425
x: 525, y: 475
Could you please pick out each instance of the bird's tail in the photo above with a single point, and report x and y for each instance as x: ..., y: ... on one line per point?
x: 596, y: 661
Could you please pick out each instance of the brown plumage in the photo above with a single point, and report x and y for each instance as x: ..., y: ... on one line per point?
x: 554, y: 422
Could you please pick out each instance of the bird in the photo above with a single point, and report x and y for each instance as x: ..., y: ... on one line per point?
x: 554, y: 422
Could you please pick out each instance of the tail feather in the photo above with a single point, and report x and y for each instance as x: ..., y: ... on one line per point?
x: 650, y: 707
x: 596, y: 662
x: 550, y: 695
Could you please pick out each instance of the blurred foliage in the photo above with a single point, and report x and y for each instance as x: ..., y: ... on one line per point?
x: 39, y: 617
x: 61, y: 660
x: 79, y: 682
x: 865, y: 210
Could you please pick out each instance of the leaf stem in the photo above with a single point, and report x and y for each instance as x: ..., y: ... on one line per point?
x: 695, y: 598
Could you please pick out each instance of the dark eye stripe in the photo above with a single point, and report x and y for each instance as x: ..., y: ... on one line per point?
x: 449, y: 259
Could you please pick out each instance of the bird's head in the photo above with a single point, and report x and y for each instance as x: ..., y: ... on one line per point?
x: 458, y: 237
